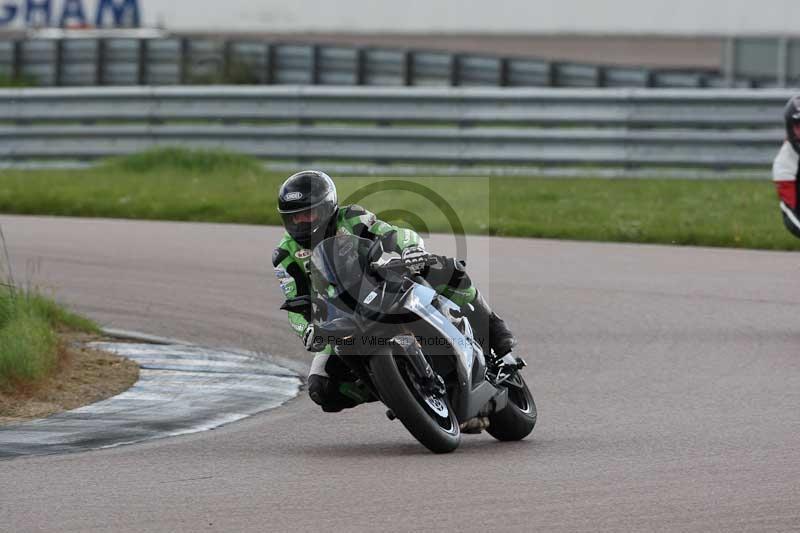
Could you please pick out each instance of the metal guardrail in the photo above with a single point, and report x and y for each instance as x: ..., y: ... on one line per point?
x: 701, y: 128
x: 181, y: 61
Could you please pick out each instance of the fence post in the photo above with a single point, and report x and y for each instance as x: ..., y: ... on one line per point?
x: 729, y: 61
x: 316, y: 64
x: 455, y: 70
x: 407, y: 73
x: 783, y: 61
x: 551, y: 74
x: 601, y: 77
x: 58, y: 63
x: 361, y: 67
x: 504, y: 75
x: 141, y: 67
x: 227, y: 61
x: 269, y: 64
x: 649, y: 78
x: 16, y: 60
x: 100, y: 62
x: 183, y: 58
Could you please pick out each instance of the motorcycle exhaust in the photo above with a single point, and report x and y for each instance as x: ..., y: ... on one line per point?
x: 475, y: 425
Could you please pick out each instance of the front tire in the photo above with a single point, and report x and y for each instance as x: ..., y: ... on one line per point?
x: 440, y: 434
x: 517, y: 419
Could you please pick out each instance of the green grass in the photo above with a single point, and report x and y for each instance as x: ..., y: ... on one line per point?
x: 11, y: 82
x: 28, y: 336
x: 220, y: 187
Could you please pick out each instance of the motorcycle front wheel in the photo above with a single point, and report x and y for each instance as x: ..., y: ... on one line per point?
x: 428, y: 418
x: 517, y: 419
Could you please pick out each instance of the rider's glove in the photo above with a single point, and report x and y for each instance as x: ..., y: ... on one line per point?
x: 415, y: 258
x: 313, y: 341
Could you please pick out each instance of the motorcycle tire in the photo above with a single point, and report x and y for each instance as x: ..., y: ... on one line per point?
x: 518, y: 418
x: 437, y: 433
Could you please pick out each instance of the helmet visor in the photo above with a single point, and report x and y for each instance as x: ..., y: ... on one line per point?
x: 302, y: 225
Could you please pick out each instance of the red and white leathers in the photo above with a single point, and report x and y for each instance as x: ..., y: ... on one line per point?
x: 785, y: 171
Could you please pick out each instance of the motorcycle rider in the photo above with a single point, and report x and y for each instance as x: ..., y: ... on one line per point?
x: 786, y: 168
x: 309, y: 208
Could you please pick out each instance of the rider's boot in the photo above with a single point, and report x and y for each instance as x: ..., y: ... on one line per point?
x: 490, y: 329
x: 325, y: 392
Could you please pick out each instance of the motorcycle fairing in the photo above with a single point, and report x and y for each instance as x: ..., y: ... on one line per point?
x: 474, y: 391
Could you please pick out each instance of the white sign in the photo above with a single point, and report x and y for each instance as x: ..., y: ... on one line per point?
x: 70, y: 13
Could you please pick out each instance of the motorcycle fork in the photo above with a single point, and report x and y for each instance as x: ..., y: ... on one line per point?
x: 429, y: 380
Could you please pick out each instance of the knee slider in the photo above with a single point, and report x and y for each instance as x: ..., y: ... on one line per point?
x: 318, y: 387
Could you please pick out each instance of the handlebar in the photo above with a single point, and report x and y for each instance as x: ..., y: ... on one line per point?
x: 398, y: 263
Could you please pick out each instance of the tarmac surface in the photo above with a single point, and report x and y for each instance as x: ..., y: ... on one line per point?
x: 181, y: 389
x: 667, y: 381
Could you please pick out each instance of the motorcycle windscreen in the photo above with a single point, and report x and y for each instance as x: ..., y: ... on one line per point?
x: 339, y: 267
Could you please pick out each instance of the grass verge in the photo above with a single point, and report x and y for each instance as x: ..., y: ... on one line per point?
x: 85, y: 376
x: 45, y: 367
x: 30, y: 346
x: 221, y: 187
x: 7, y: 81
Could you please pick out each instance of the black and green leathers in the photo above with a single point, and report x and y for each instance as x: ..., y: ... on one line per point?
x: 290, y: 260
x: 327, y: 382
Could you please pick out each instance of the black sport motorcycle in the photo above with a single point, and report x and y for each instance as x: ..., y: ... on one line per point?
x: 411, y: 348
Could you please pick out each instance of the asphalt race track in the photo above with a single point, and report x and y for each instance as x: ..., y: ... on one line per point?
x: 667, y: 379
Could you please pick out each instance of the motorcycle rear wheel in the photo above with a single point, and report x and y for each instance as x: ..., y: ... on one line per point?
x: 430, y: 420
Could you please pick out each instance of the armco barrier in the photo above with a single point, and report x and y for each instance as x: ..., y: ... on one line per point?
x: 696, y: 128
